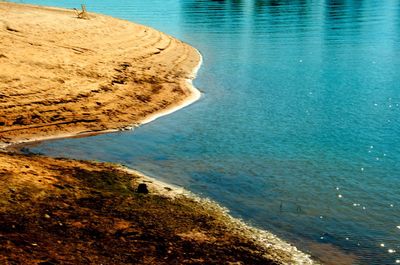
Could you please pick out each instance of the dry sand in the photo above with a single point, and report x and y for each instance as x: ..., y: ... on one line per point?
x: 61, y: 75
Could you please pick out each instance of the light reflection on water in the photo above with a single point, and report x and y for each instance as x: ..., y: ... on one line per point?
x: 298, y: 129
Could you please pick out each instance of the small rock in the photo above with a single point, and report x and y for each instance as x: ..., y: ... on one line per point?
x: 47, y: 216
x: 142, y: 188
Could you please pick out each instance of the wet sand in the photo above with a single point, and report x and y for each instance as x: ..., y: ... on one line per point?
x: 63, y: 76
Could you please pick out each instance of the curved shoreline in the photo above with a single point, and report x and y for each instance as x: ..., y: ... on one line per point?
x: 284, y: 251
x: 173, y: 70
x: 266, y: 240
x: 194, y: 96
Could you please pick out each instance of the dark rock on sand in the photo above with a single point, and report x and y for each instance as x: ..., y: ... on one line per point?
x: 142, y: 188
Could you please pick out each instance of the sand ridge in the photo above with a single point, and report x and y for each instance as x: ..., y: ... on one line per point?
x: 61, y: 75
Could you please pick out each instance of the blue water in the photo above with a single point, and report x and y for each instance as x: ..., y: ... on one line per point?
x: 298, y: 128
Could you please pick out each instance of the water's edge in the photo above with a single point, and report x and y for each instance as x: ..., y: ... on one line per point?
x: 263, y: 238
x: 194, y: 96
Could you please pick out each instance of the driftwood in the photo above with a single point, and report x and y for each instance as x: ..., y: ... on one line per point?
x: 82, y: 14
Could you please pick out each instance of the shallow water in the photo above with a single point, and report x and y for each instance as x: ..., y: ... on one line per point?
x: 298, y: 128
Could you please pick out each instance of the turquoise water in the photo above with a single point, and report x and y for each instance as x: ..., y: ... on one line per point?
x: 298, y: 128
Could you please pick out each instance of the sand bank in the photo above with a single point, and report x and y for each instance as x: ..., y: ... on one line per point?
x: 62, y: 76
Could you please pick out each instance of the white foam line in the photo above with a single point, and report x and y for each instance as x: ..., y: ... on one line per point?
x: 193, y: 97
x: 265, y: 239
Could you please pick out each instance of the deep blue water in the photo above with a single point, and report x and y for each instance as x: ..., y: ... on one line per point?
x: 298, y: 128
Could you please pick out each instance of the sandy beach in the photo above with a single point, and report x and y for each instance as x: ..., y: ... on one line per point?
x: 62, y: 76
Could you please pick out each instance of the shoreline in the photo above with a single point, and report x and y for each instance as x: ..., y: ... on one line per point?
x: 86, y: 76
x: 263, y: 238
x: 276, y: 248
x: 59, y: 204
x: 195, y: 95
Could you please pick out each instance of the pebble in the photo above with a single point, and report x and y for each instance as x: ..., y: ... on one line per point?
x: 142, y: 188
